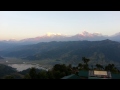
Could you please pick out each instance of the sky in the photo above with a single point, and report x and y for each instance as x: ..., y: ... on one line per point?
x: 28, y: 24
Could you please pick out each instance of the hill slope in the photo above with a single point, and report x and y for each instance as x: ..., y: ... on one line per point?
x: 68, y: 51
x: 6, y: 70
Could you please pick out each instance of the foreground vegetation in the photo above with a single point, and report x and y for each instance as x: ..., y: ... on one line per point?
x: 61, y: 70
x: 58, y: 71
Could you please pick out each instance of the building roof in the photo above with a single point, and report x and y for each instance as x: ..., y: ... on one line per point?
x: 95, y: 74
x: 72, y: 76
x: 83, y: 73
x: 115, y: 76
x: 90, y: 75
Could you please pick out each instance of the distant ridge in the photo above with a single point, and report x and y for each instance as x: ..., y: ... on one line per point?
x: 61, y: 37
x: 69, y: 51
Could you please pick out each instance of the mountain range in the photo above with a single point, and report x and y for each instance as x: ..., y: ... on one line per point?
x: 59, y: 37
x: 62, y: 47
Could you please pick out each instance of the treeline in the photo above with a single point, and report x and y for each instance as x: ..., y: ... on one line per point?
x: 61, y: 70
x: 85, y: 66
x: 58, y: 71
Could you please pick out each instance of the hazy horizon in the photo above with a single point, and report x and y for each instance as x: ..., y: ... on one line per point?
x: 19, y: 25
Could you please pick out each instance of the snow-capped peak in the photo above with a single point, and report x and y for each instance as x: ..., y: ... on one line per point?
x: 85, y: 33
x: 53, y: 34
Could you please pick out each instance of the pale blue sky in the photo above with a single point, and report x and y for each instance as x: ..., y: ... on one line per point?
x: 26, y: 24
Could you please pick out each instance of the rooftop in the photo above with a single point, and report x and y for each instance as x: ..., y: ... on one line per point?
x: 72, y: 76
x: 93, y: 75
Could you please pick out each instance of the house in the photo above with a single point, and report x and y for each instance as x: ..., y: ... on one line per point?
x: 115, y: 76
x: 72, y: 76
x: 83, y: 74
x: 95, y: 74
x: 79, y: 75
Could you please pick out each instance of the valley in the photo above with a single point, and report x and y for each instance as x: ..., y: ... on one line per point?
x: 47, y: 54
x: 25, y: 64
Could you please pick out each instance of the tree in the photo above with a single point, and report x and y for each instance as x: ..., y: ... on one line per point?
x: 112, y: 68
x: 9, y: 77
x: 42, y: 75
x: 27, y: 76
x: 61, y: 70
x: 80, y: 66
x: 86, y: 67
x: 99, y: 67
x: 50, y: 74
x: 74, y: 70
x: 85, y: 60
x: 33, y: 73
x: 70, y: 66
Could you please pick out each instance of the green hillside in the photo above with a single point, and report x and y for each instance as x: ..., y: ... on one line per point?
x: 6, y: 70
x: 69, y: 51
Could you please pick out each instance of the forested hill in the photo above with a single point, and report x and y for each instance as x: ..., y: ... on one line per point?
x: 68, y: 50
x: 6, y: 70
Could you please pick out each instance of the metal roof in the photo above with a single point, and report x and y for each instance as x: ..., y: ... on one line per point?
x: 72, y: 76
x: 90, y: 75
x: 115, y: 76
x: 83, y: 73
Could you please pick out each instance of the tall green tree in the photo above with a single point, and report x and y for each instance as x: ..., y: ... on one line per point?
x: 50, y: 74
x: 80, y: 66
x: 112, y: 68
x: 85, y: 60
x: 42, y: 75
x: 33, y: 73
x: 99, y: 67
